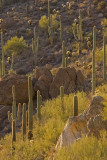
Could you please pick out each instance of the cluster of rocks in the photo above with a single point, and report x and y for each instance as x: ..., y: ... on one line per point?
x: 90, y: 122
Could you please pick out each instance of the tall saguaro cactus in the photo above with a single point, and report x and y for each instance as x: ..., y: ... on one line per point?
x: 30, y: 108
x: 24, y: 119
x: 75, y: 105
x: 80, y: 26
x: 50, y: 30
x: 3, y: 60
x: 62, y: 97
x: 104, y: 58
x: 60, y: 28
x: 94, y: 38
x: 93, y: 61
x: 49, y: 13
x: 39, y: 99
x: 93, y: 73
x: 63, y: 54
x: 0, y: 68
x: 12, y: 116
x: 35, y: 45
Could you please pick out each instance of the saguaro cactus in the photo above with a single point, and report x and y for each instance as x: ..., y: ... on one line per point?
x: 66, y: 62
x: 50, y: 30
x: 104, y: 58
x: 60, y: 28
x: 39, y: 101
x: 93, y: 73
x: 30, y: 108
x: 94, y: 38
x: 0, y: 69
x: 75, y: 105
x: 35, y: 45
x: 48, y: 12
x: 12, y: 117
x: 63, y: 54
x: 62, y: 97
x: 3, y: 60
x: 80, y: 26
x: 24, y: 121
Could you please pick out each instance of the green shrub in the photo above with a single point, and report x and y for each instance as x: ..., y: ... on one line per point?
x: 99, y: 54
x: 104, y: 23
x: 101, y: 5
x: 15, y: 46
x: 43, y: 22
x: 46, y: 133
x: 87, y: 148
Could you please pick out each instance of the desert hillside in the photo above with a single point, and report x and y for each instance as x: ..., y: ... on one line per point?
x: 53, y: 79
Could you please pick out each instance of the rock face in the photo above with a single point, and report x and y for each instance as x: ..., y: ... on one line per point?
x: 89, y: 122
x: 3, y: 112
x: 21, y: 86
x: 75, y: 127
x: 69, y: 78
x: 42, y: 80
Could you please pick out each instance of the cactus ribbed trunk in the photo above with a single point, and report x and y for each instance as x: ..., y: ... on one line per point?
x: 93, y: 73
x: 14, y: 103
x: 66, y: 62
x: 94, y: 38
x: 63, y: 54
x: 24, y: 121
x: 13, y: 131
x: 75, y: 106
x: 3, y: 60
x: 30, y: 106
x: 80, y: 26
x: 48, y: 12
x: 60, y: 29
x: 0, y: 69
x: 62, y: 97
x: 104, y: 58
x: 35, y: 45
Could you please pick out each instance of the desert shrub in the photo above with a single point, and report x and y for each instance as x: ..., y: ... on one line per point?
x: 102, y: 90
x: 46, y: 133
x: 43, y: 22
x: 99, y: 54
x: 104, y: 23
x: 11, y: 71
x: 101, y: 5
x: 87, y: 148
x: 104, y: 114
x: 15, y: 46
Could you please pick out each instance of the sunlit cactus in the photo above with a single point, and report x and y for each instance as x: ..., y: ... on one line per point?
x: 75, y: 105
x: 24, y: 121
x: 30, y: 108
x: 63, y: 54
x: 62, y: 97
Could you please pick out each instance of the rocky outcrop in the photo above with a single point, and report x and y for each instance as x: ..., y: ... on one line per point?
x: 3, y: 112
x: 89, y: 122
x: 69, y: 78
x: 21, y: 86
x: 42, y: 80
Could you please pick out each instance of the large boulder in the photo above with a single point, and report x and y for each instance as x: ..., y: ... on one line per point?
x: 21, y: 87
x: 42, y: 80
x: 69, y: 78
x: 3, y: 112
x: 89, y: 122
